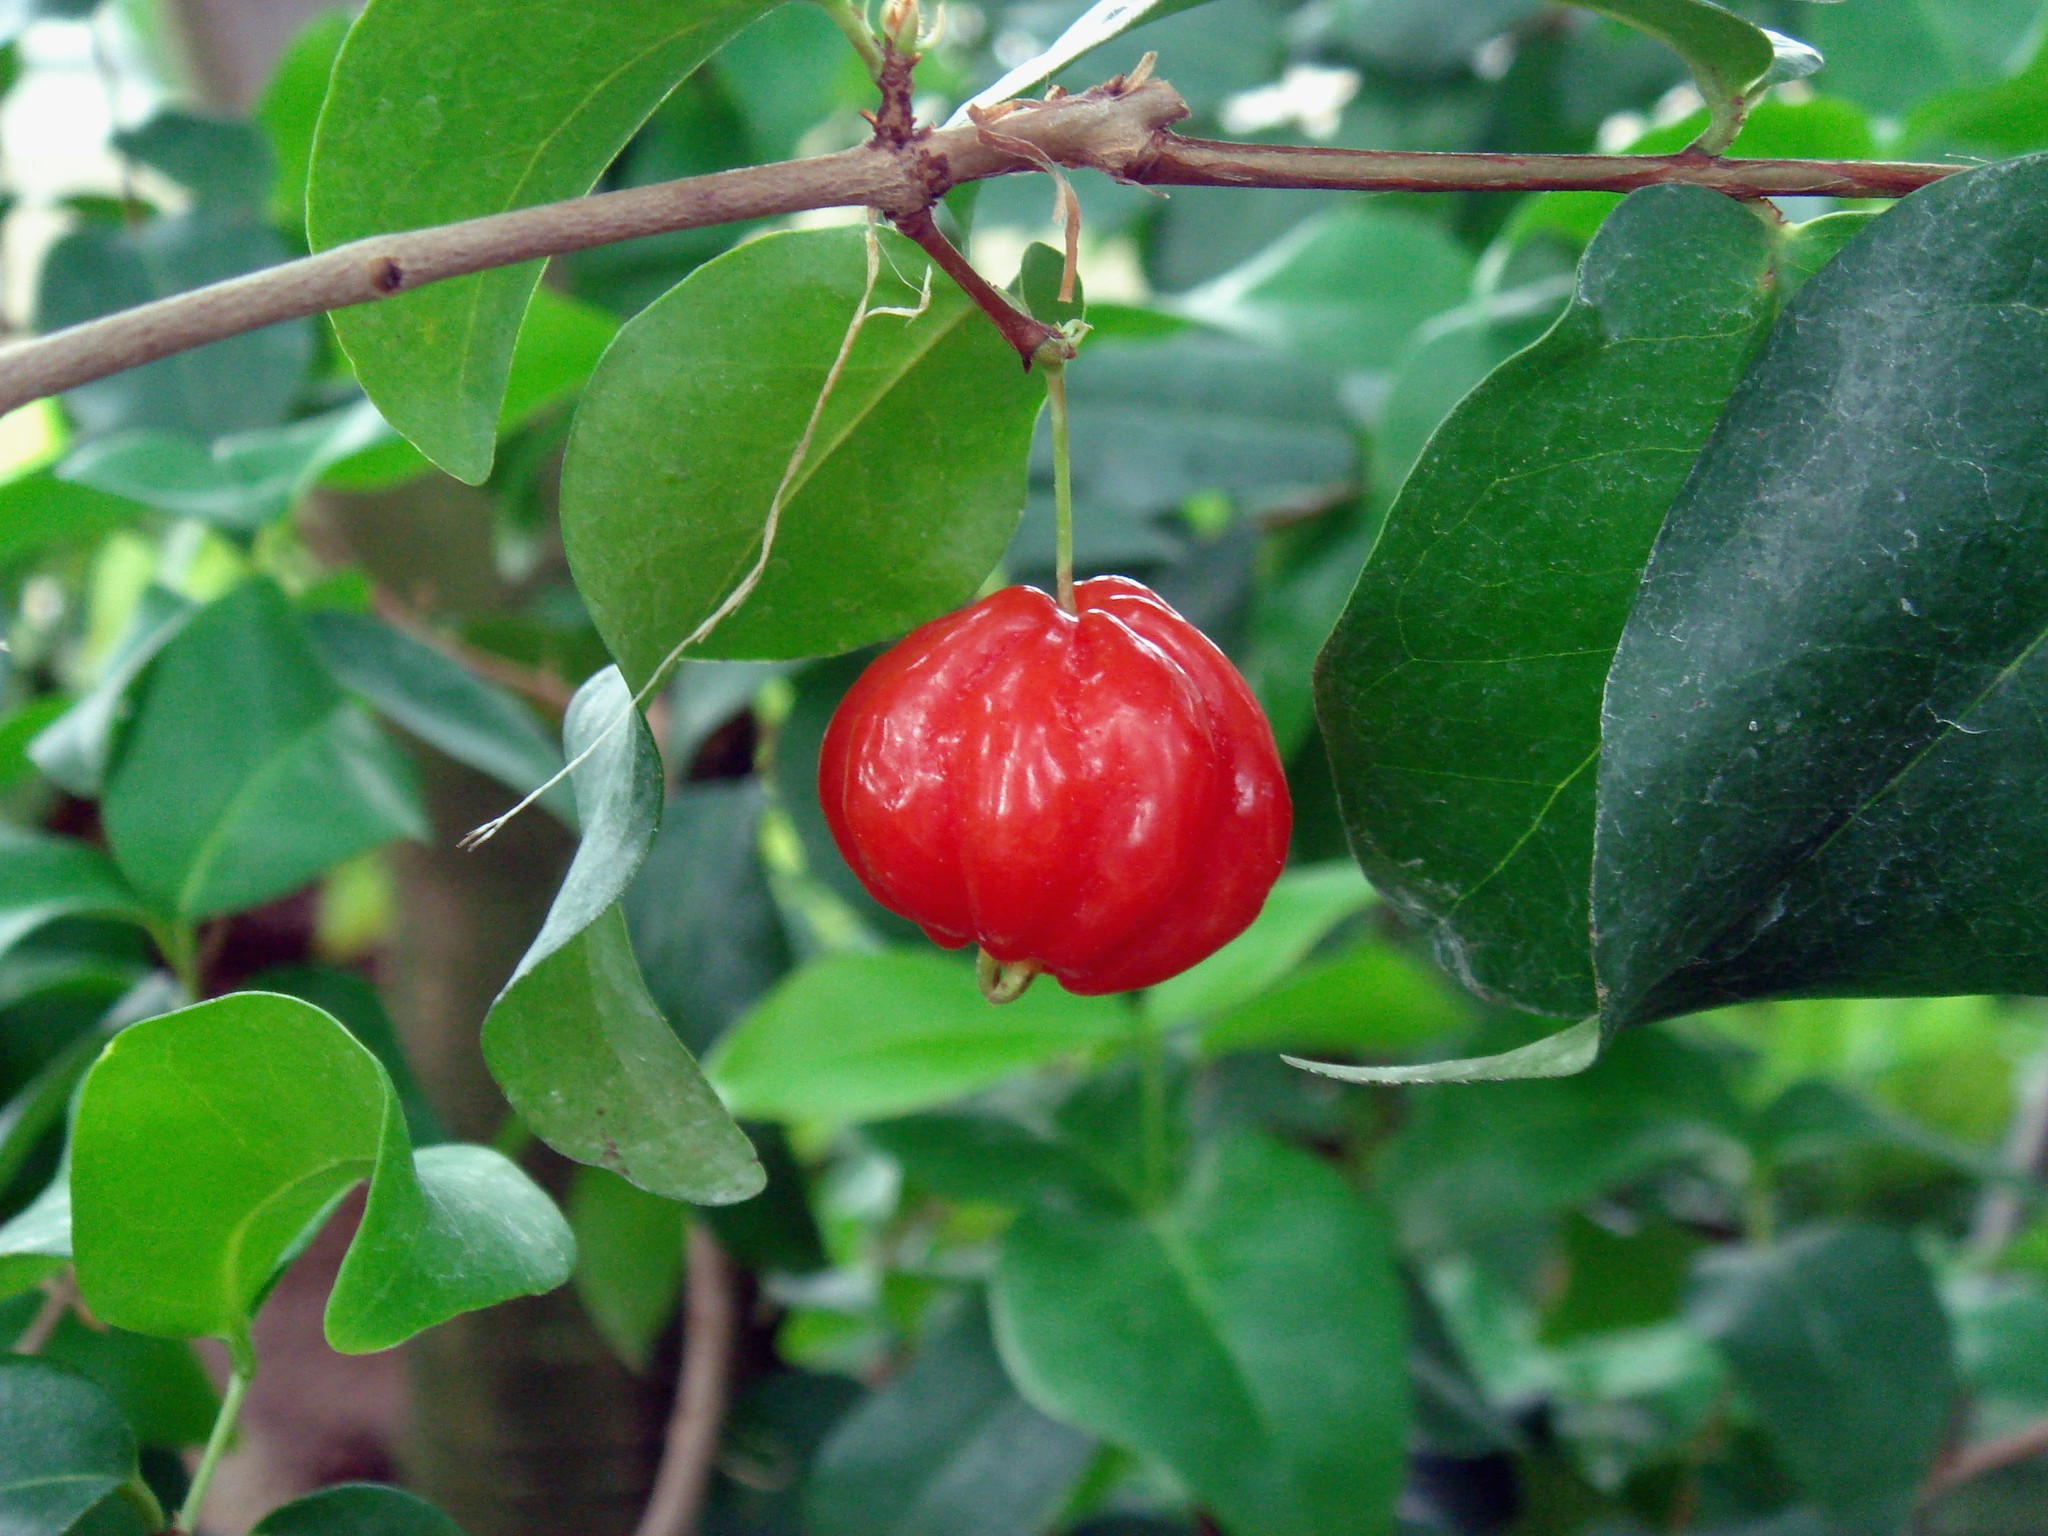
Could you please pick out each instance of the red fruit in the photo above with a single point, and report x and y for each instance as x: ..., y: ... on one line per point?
x: 1094, y: 794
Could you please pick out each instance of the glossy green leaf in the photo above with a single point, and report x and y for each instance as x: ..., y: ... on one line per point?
x: 1303, y: 906
x: 440, y: 701
x: 43, y: 878
x: 861, y: 1037
x: 1841, y: 1345
x: 1460, y: 694
x: 187, y: 1202
x: 629, y: 1260
x: 63, y: 1450
x: 688, y: 425
x: 1347, y: 288
x: 1258, y: 1350
x: 574, y: 1039
x: 239, y: 483
x: 947, y: 1448
x: 246, y: 772
x: 235, y: 385
x: 552, y: 90
x: 356, y: 1509
x: 74, y: 749
x: 289, y: 111
x: 705, y: 926
x: 1731, y: 59
x: 1820, y: 718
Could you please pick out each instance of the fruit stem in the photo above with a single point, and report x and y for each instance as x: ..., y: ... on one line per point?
x: 1151, y: 1108
x: 1004, y: 981
x: 1062, y: 480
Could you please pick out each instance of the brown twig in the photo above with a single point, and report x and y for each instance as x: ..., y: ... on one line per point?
x: 711, y: 1323
x: 1022, y: 332
x: 1987, y: 1456
x: 1119, y: 129
x: 62, y: 1293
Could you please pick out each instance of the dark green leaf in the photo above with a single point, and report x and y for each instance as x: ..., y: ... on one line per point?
x: 1616, y: 1280
x: 629, y: 1260
x: 1421, y: 37
x: 1460, y: 694
x: 574, y: 1039
x: 1820, y: 720
x: 36, y: 1244
x: 442, y: 702
x: 356, y: 1509
x: 43, y: 878
x: 63, y: 1449
x: 158, y: 1384
x: 701, y: 401
x: 216, y: 159
x: 1039, y: 279
x: 947, y: 1448
x: 419, y: 86
x: 1473, y: 1162
x: 1258, y: 1348
x: 775, y: 1231
x: 1841, y: 1345
x: 235, y: 385
x: 246, y: 772
x: 188, y: 1198
x: 861, y: 1037
x: 983, y: 1157
x: 704, y: 924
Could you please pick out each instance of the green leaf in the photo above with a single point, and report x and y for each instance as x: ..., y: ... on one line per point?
x: 704, y: 924
x: 1258, y: 1351
x: 574, y: 1039
x: 63, y: 1450
x: 208, y: 1142
x: 1889, y: 55
x: 1841, y: 1345
x: 1460, y: 693
x: 235, y: 385
x: 73, y: 750
x: 158, y: 1385
x: 36, y: 1243
x: 1103, y: 22
x: 240, y: 483
x: 246, y: 772
x: 442, y: 702
x: 43, y: 878
x: 1159, y: 422
x: 216, y: 159
x: 39, y: 510
x: 629, y: 1260
x: 990, y: 1158
x: 1821, y: 715
x: 1346, y: 288
x: 947, y: 1448
x: 863, y: 1037
x: 1374, y: 999
x: 1730, y: 59
x: 1306, y: 903
x: 1039, y: 277
x: 699, y: 404
x: 419, y: 86
x: 356, y: 1509
x: 1565, y: 1054
x: 289, y: 111
x: 1468, y: 1163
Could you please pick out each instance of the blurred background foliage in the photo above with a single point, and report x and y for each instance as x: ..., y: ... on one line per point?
x: 1773, y: 1270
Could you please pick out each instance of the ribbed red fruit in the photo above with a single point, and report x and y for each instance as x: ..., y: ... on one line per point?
x: 1094, y: 794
